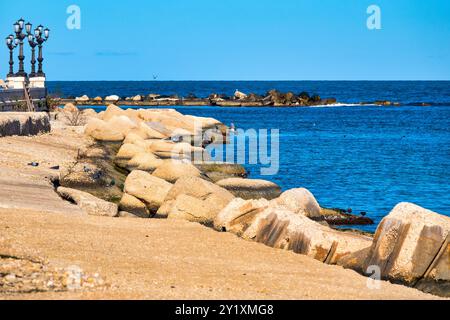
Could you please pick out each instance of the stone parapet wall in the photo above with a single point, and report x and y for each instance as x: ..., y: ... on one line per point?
x: 23, y: 123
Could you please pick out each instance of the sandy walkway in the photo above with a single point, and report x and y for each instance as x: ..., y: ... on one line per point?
x: 26, y: 187
x: 150, y: 259
x: 156, y: 259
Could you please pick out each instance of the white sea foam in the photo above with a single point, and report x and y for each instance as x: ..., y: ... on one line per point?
x: 341, y: 105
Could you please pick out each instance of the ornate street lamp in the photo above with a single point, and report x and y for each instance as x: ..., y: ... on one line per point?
x: 28, y: 27
x: 41, y: 35
x: 11, y: 45
x: 21, y: 23
x: 18, y: 27
x: 33, y: 44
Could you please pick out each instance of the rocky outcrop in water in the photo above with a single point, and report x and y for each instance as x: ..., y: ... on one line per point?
x: 112, y: 98
x: 271, y: 98
x: 84, y: 98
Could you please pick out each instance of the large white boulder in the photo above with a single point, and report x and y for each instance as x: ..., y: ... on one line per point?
x: 251, y: 188
x: 169, y: 118
x: 186, y: 207
x: 112, y: 111
x: 89, y: 113
x: 88, y: 203
x: 411, y: 244
x: 172, y: 170
x: 217, y: 171
x: 210, y: 200
x: 147, y: 188
x: 239, y: 215
x: 102, y: 131
x: 205, y: 123
x: 150, y: 133
x: 283, y: 229
x: 112, y: 98
x: 134, y: 206
x: 84, y: 98
x: 135, y: 137
x: 128, y: 151
x: 300, y: 201
x: 144, y: 161
x: 70, y: 107
x: 240, y: 95
x: 170, y: 150
x: 123, y: 124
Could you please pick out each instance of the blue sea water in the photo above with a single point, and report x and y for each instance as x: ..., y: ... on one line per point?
x: 406, y: 92
x: 366, y: 158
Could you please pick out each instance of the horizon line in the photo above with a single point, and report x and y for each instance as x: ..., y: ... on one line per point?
x: 412, y: 80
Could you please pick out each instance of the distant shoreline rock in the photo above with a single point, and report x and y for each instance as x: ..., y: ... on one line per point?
x: 272, y: 98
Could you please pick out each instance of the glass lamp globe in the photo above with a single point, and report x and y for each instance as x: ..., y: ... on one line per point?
x: 28, y: 27
x: 21, y: 23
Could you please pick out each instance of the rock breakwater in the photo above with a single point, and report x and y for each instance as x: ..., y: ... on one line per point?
x: 410, y: 246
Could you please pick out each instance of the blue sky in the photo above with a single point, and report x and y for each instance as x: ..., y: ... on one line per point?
x: 239, y: 39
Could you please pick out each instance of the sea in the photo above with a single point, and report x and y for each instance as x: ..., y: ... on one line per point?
x: 362, y: 157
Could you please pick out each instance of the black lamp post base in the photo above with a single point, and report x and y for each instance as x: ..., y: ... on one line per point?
x: 40, y: 74
x: 32, y: 75
x: 21, y: 74
x: 10, y: 75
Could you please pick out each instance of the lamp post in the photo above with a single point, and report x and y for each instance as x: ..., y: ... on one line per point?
x: 11, y: 45
x: 33, y: 44
x: 41, y: 35
x: 18, y: 27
